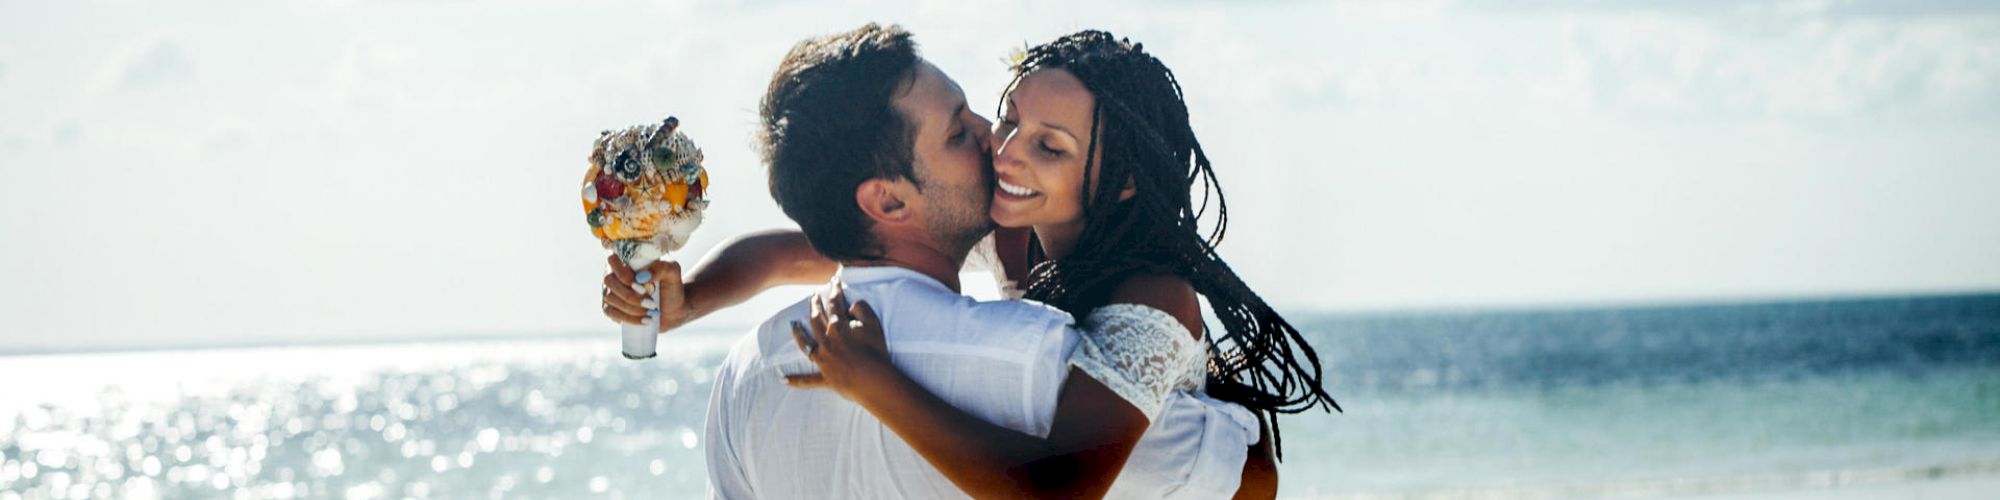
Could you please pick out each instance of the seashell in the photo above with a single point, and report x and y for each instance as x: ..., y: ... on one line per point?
x: 638, y: 253
x: 626, y: 166
x: 609, y: 188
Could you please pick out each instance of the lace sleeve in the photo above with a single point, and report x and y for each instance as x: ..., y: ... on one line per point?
x: 1139, y: 352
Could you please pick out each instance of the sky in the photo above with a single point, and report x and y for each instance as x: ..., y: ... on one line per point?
x: 186, y: 174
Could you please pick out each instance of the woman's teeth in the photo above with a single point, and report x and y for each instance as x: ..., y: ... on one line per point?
x: 1016, y: 190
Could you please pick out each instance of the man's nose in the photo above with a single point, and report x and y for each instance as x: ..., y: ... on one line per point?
x: 985, y: 131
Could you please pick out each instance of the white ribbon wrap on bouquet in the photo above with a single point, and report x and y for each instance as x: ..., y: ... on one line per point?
x: 640, y: 341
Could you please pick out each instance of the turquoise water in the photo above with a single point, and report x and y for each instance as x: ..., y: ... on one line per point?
x: 1761, y: 399
x: 1703, y: 436
x: 1664, y: 400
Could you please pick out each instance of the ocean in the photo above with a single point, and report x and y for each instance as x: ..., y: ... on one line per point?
x: 1874, y: 398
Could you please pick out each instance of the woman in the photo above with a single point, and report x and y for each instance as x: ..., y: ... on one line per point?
x: 1126, y: 257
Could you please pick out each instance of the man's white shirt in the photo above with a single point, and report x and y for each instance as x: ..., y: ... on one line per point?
x: 1003, y: 361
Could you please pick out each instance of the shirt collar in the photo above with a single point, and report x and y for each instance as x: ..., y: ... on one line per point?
x: 855, y: 275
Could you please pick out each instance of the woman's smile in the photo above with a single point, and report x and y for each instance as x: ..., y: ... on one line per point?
x: 1008, y: 190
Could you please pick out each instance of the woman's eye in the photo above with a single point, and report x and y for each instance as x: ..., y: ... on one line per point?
x: 1049, y: 150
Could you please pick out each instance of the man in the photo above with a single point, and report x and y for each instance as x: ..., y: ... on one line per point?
x: 872, y: 151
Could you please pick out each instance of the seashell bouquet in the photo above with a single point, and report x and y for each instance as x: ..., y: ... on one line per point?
x: 643, y: 196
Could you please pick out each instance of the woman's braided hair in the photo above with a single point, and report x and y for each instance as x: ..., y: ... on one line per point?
x: 1140, y: 123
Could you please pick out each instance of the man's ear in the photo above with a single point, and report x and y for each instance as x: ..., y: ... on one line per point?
x: 884, y: 200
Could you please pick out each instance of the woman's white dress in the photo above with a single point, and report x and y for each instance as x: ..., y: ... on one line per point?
x: 1194, y: 445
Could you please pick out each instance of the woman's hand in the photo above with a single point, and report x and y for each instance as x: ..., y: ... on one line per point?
x: 847, y: 344
x: 629, y: 297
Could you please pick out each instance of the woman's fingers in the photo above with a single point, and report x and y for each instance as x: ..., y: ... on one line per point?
x: 622, y: 312
x: 622, y: 301
x: 831, y: 324
x: 816, y: 312
x: 863, y: 314
x: 622, y: 318
x: 635, y: 281
x: 867, y: 327
x: 838, y: 301
x: 625, y: 310
x: 613, y: 289
x: 619, y: 268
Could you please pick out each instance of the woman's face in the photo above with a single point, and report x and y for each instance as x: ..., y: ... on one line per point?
x: 1038, y: 152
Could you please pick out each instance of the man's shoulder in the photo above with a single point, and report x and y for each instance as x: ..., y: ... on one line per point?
x: 912, y: 312
x: 1018, y: 313
x: 908, y: 305
x: 773, y: 331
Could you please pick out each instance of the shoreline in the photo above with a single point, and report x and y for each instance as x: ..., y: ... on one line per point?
x: 1965, y: 479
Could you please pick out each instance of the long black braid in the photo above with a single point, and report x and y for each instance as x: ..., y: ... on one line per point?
x: 1140, y: 123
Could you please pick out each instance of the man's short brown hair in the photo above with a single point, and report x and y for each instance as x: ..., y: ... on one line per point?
x: 828, y: 123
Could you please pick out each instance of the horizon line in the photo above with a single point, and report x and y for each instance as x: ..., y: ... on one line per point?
x: 699, y: 328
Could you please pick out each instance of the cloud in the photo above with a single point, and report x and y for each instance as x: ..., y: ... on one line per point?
x: 230, y: 134
x: 1778, y: 61
x: 367, y: 74
x: 1801, y: 70
x: 149, y: 63
x: 1914, y: 8
x: 66, y: 134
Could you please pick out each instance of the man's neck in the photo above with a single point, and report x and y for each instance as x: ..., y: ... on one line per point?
x: 932, y: 262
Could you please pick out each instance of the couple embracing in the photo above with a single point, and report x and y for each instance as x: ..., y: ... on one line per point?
x: 1102, y: 378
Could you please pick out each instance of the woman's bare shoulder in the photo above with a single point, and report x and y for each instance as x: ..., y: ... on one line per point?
x: 1165, y: 292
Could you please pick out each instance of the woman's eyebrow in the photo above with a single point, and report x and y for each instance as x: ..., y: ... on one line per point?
x: 1011, y: 106
x: 1058, y: 128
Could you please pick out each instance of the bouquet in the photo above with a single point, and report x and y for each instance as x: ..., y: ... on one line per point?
x: 643, y: 197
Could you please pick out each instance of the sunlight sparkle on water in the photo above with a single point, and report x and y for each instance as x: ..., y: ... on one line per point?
x: 359, y: 422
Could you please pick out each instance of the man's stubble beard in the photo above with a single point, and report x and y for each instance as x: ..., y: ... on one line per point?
x: 962, y: 218
x: 963, y: 212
